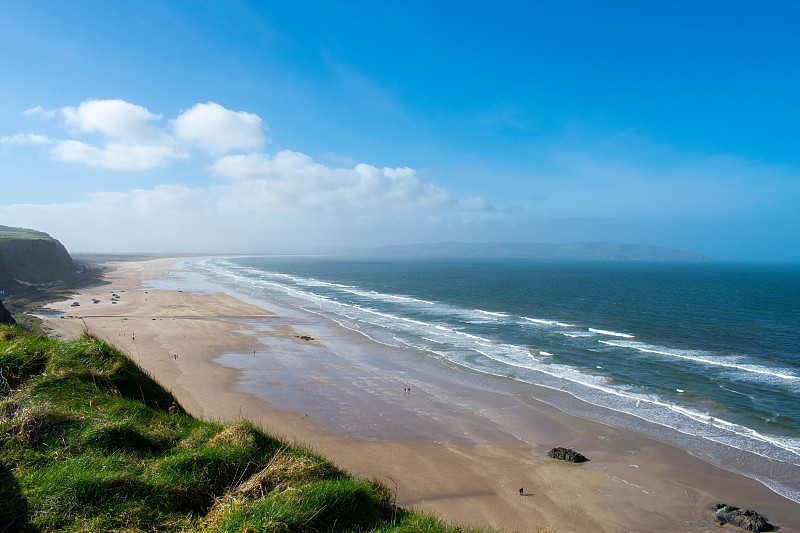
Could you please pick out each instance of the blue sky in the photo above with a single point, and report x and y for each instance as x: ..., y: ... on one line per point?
x: 239, y: 127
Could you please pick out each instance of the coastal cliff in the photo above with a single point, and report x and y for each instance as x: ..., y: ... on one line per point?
x: 5, y: 316
x: 32, y: 257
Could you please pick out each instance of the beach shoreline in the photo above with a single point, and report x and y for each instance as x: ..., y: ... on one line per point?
x: 450, y: 446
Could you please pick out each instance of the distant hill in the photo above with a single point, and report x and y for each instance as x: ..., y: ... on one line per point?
x: 32, y: 257
x: 589, y: 251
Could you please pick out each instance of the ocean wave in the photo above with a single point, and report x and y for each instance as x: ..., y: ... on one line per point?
x: 576, y: 334
x: 611, y: 333
x: 493, y: 313
x: 694, y: 355
x: 539, y: 321
x: 434, y: 327
x: 340, y: 287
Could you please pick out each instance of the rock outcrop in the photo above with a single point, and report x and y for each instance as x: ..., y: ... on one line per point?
x: 32, y: 257
x: 5, y: 316
x: 566, y: 454
x: 743, y: 518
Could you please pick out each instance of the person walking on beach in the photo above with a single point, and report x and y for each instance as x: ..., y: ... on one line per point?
x: 521, y: 492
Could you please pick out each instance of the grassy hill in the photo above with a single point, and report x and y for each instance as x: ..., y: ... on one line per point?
x: 8, y: 233
x: 88, y: 442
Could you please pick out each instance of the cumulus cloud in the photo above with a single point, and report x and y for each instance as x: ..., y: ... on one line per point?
x: 218, y: 130
x: 292, y: 181
x: 289, y: 193
x: 119, y: 135
x: 25, y: 138
x: 173, y: 218
x: 132, y: 140
x: 117, y: 119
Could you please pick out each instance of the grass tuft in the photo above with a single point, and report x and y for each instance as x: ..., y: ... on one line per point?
x: 287, y: 469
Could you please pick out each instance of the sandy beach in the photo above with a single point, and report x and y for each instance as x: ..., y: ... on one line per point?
x: 456, y: 444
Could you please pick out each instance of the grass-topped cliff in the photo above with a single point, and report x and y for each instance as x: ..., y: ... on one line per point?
x: 35, y: 269
x: 32, y: 257
x: 8, y: 233
x: 88, y: 442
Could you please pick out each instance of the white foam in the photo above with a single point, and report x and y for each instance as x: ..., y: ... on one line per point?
x: 576, y: 335
x: 455, y: 345
x: 493, y: 313
x: 691, y: 356
x: 374, y: 295
x: 350, y: 289
x: 539, y: 321
x: 611, y: 333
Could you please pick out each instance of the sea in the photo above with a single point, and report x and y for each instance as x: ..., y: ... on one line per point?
x: 703, y: 355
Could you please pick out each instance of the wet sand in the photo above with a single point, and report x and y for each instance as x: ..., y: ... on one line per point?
x: 457, y: 444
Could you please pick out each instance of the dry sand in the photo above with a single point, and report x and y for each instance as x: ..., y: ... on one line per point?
x: 452, y: 447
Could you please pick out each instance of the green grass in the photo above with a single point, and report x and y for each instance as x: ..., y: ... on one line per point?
x: 88, y: 442
x: 9, y: 233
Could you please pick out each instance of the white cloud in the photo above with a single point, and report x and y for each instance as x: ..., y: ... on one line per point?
x: 117, y: 119
x: 218, y: 130
x: 259, y: 198
x: 132, y: 141
x: 262, y: 199
x: 40, y: 111
x: 115, y: 156
x: 25, y: 138
x: 292, y: 181
x: 130, y: 137
x: 162, y: 199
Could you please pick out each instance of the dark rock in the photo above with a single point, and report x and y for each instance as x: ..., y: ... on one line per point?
x: 5, y: 316
x: 743, y: 518
x: 566, y: 454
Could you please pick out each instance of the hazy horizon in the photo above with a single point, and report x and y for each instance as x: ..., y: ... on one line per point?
x: 233, y: 127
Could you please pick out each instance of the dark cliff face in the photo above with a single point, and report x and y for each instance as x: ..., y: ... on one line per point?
x: 5, y: 316
x: 34, y: 260
x: 6, y: 279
